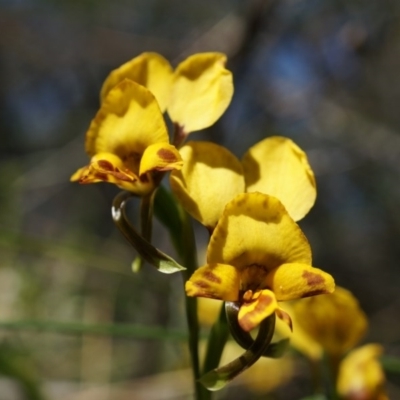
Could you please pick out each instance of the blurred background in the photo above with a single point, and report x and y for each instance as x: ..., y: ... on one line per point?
x: 322, y: 72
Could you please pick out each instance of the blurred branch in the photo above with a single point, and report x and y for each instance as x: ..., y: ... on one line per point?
x: 76, y: 328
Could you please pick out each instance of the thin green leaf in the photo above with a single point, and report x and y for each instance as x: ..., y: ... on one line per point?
x: 391, y: 364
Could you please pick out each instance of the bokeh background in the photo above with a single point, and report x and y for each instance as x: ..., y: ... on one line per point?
x: 322, y: 72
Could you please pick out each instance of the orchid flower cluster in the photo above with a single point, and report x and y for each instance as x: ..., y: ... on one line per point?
x: 257, y: 255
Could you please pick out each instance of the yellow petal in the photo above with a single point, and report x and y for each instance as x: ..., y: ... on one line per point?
x: 202, y: 90
x: 215, y: 281
x: 276, y: 166
x: 252, y: 312
x: 327, y: 318
x: 255, y: 229
x: 211, y: 176
x: 160, y: 157
x: 295, y: 280
x: 148, y: 69
x: 361, y: 375
x: 128, y: 121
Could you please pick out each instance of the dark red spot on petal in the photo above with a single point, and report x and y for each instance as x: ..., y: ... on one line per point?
x: 315, y: 293
x: 210, y: 276
x: 201, y: 284
x: 313, y: 279
x: 105, y: 165
x: 167, y: 155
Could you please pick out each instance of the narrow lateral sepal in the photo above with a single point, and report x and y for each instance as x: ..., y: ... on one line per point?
x: 219, y: 377
x: 146, y: 250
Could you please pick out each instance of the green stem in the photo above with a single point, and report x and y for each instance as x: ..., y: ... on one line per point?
x: 176, y: 220
x: 331, y: 367
x: 216, y: 342
x: 187, y: 250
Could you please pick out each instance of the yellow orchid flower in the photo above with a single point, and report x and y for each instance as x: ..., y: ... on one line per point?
x: 326, y: 319
x: 195, y: 95
x: 361, y: 375
x: 257, y: 255
x: 212, y: 176
x: 128, y: 141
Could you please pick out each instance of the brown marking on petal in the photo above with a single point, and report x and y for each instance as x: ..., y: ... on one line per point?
x: 265, y: 203
x: 201, y: 284
x: 263, y: 302
x: 122, y: 177
x: 167, y: 155
x: 210, y: 276
x: 315, y: 293
x: 313, y: 279
x: 240, y: 202
x: 101, y: 176
x: 144, y: 178
x: 246, y: 322
x: 104, y: 164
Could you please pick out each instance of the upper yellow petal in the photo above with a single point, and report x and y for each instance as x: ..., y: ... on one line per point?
x: 128, y: 121
x: 295, y: 280
x: 215, y: 281
x: 361, y: 376
x: 253, y: 311
x: 148, y: 69
x: 211, y: 176
x: 278, y: 167
x: 255, y: 229
x: 327, y: 319
x: 160, y: 157
x: 202, y: 90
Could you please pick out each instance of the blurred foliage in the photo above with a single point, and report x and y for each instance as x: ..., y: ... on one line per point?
x: 324, y: 73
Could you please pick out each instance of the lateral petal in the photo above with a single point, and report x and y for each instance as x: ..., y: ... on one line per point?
x: 211, y: 176
x: 160, y: 157
x: 215, y: 281
x: 256, y: 229
x: 202, y: 90
x: 148, y: 69
x: 128, y: 121
x: 107, y: 167
x: 327, y: 319
x: 296, y: 280
x: 261, y: 305
x: 278, y: 167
